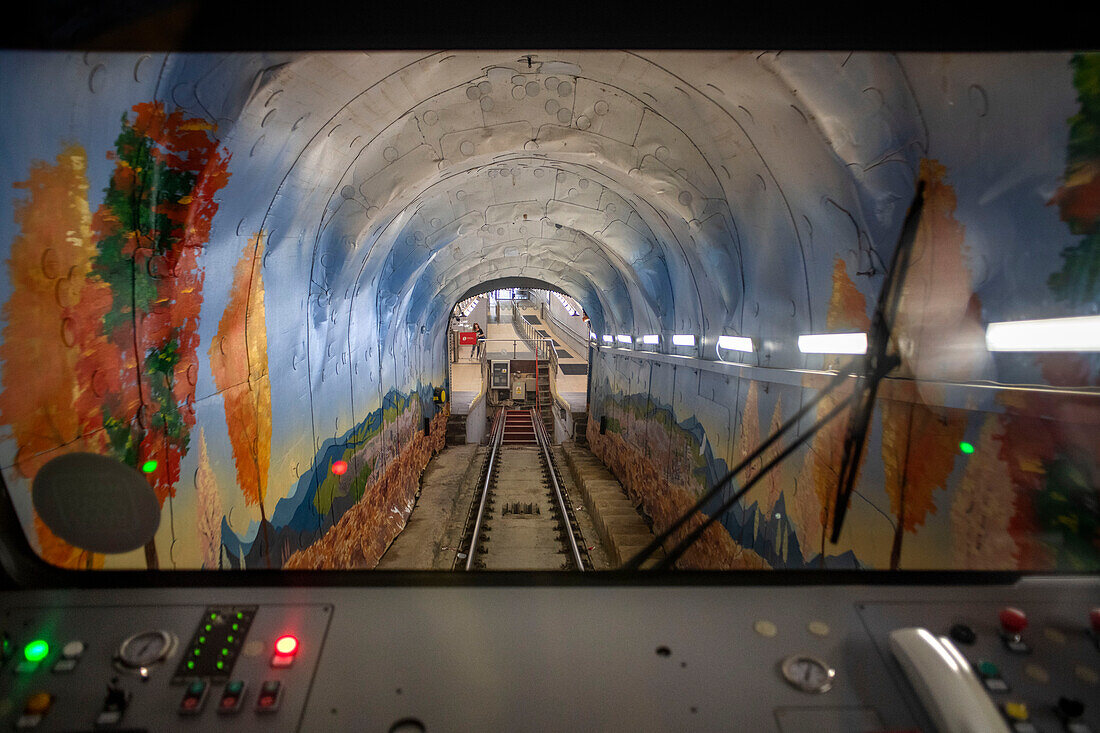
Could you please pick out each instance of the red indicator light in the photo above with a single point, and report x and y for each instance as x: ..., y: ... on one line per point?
x: 340, y: 467
x: 286, y: 645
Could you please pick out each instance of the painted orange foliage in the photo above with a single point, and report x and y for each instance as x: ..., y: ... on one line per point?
x: 50, y: 259
x: 981, y: 510
x: 920, y: 441
x: 847, y: 312
x: 938, y: 326
x: 238, y: 359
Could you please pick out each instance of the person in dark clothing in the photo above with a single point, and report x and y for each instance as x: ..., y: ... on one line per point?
x: 475, y: 351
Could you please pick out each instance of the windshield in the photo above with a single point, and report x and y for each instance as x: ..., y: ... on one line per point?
x: 338, y: 310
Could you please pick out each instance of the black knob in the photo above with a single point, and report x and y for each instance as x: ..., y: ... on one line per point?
x: 963, y: 634
x: 1069, y: 709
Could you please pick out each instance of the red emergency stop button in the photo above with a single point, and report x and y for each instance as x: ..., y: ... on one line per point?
x: 286, y: 648
x: 1013, y: 620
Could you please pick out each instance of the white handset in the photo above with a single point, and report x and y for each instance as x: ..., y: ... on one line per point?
x: 951, y: 693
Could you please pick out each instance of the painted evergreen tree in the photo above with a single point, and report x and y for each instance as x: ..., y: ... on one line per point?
x: 238, y: 359
x: 1078, y: 199
x: 140, y: 308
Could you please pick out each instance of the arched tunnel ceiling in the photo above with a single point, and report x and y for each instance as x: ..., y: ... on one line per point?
x: 663, y: 193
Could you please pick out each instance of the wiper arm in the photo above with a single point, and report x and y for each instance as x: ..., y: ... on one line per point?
x: 636, y: 562
x: 877, y: 364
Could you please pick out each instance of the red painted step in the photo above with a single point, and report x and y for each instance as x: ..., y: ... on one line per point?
x: 518, y: 428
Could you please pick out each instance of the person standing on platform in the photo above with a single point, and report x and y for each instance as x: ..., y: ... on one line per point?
x: 479, y: 344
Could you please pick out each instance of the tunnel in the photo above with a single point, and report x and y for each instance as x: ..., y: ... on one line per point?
x: 232, y: 271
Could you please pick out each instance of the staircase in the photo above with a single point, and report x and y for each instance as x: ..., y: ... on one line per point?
x: 456, y: 430
x: 580, y: 429
x: 546, y: 401
x: 518, y: 429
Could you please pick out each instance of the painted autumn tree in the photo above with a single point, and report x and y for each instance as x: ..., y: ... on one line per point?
x: 238, y: 359
x: 50, y: 258
x: 139, y: 310
x: 920, y: 439
x: 208, y: 507
x: 847, y: 313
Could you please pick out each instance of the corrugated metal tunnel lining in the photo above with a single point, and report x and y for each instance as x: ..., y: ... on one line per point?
x: 323, y: 213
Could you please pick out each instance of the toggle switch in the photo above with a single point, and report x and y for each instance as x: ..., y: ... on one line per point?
x: 34, y: 709
x: 271, y: 692
x: 232, y: 697
x: 194, y: 697
x: 1013, y: 622
x: 114, y: 705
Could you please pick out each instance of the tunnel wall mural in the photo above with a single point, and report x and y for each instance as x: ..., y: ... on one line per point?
x: 233, y: 271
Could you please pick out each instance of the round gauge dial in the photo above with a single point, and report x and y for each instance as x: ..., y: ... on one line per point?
x: 808, y: 673
x: 146, y: 649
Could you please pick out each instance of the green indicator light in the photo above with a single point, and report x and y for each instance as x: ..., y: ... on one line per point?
x: 229, y: 638
x: 36, y: 651
x: 208, y: 627
x: 213, y: 617
x: 202, y: 639
x: 198, y: 652
x: 190, y: 665
x: 240, y: 615
x: 149, y: 466
x: 966, y: 448
x: 225, y: 652
x: 236, y: 626
x: 221, y: 664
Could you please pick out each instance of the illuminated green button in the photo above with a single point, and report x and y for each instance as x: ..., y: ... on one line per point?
x: 36, y: 651
x: 234, y: 688
x: 221, y: 664
x: 988, y: 669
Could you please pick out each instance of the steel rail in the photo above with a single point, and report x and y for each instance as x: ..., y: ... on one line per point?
x: 498, y: 435
x: 543, y: 439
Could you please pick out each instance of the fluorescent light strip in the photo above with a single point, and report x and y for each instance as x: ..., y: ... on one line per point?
x: 833, y: 343
x: 683, y: 339
x: 735, y: 343
x: 651, y: 338
x: 607, y: 338
x: 624, y: 339
x: 1049, y: 334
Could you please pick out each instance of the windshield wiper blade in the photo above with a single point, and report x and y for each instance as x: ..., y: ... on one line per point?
x: 876, y: 365
x: 879, y: 361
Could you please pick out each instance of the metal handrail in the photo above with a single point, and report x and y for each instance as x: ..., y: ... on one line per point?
x: 540, y: 433
x: 498, y: 434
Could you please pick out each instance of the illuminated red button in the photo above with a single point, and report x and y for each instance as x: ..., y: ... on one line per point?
x: 286, y: 646
x: 1013, y: 620
x: 190, y: 703
x: 229, y: 701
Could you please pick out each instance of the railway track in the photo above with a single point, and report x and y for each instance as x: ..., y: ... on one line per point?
x: 521, y: 518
